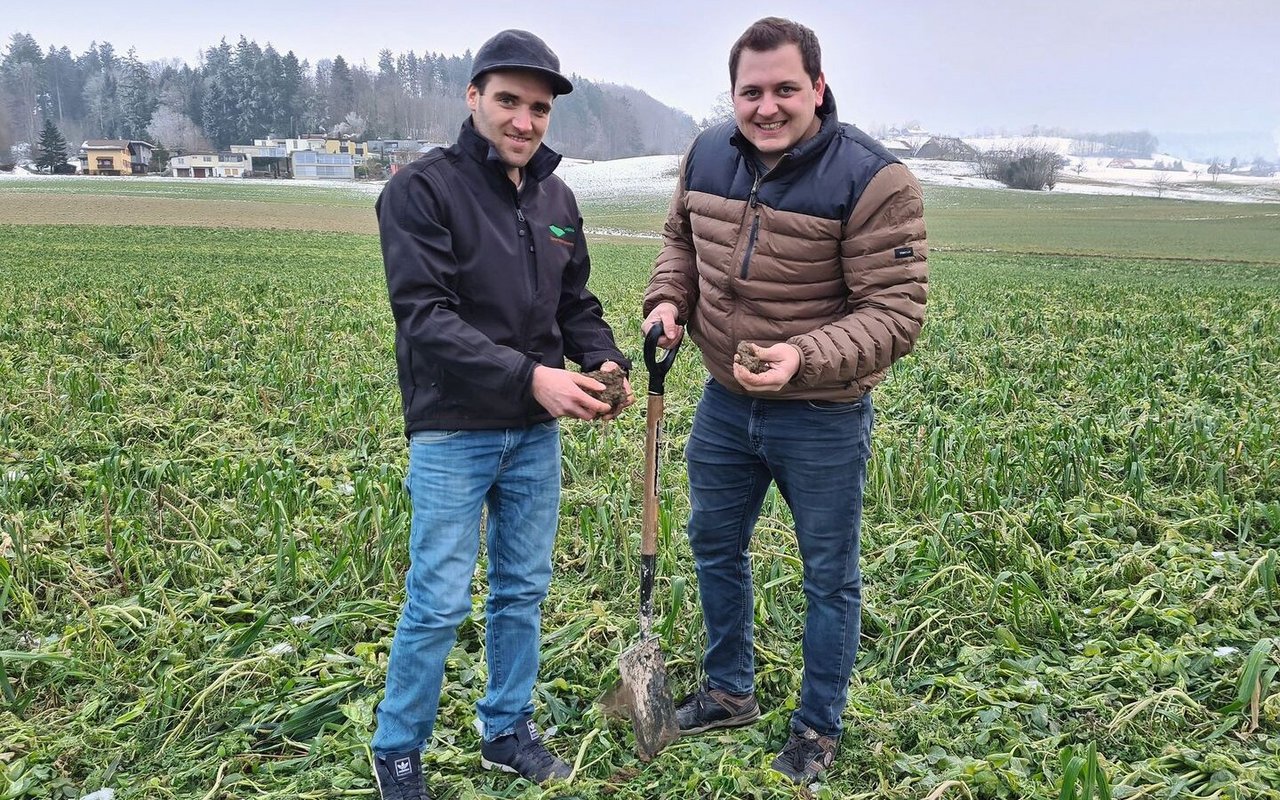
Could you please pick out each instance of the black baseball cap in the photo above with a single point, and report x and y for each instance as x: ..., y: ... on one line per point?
x: 515, y: 49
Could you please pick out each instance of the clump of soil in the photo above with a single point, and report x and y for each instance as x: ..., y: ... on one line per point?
x: 746, y: 356
x: 615, y: 394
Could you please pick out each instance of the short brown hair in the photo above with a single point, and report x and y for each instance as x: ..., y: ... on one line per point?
x: 771, y: 33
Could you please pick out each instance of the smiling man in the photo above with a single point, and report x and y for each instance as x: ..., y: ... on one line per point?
x: 487, y: 274
x: 802, y: 238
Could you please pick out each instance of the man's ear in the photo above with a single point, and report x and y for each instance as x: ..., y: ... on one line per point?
x: 820, y: 87
x: 473, y: 96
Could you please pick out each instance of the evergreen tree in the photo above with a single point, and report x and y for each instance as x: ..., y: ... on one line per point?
x: 220, y: 110
x: 342, y: 92
x: 137, y: 97
x: 289, y: 114
x: 53, y: 147
x: 101, y: 91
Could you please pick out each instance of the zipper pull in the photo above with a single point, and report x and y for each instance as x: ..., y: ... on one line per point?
x: 519, y: 214
x: 755, y: 187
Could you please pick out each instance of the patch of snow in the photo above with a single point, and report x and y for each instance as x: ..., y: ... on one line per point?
x: 101, y: 794
x: 301, y: 619
x: 1226, y: 650
x: 622, y: 177
x: 282, y: 649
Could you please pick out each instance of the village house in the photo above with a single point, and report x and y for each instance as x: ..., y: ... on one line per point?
x: 114, y: 157
x: 315, y: 164
x: 210, y: 165
x: 312, y: 156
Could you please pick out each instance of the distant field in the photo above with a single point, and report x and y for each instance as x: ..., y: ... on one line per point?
x: 261, y: 191
x: 958, y: 219
x: 1135, y: 227
x: 1070, y: 540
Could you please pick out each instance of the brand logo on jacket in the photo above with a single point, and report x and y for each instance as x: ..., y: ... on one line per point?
x: 563, y: 235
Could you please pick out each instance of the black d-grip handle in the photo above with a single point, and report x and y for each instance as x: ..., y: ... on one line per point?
x: 657, y: 369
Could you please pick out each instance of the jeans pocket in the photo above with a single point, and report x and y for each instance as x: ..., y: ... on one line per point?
x: 431, y: 437
x: 834, y: 406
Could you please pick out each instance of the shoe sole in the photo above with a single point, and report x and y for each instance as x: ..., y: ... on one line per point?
x: 487, y: 764
x: 798, y: 780
x: 731, y: 722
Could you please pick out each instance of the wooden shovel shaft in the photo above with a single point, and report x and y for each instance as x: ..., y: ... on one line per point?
x: 653, y: 432
x: 649, y: 534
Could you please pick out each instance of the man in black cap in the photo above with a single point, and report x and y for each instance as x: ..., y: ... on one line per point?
x: 487, y: 273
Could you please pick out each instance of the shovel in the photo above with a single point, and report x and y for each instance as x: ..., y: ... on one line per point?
x: 643, y: 687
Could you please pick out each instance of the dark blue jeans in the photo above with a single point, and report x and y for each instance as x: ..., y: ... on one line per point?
x: 817, y: 454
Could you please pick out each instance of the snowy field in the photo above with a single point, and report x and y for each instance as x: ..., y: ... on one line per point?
x: 651, y: 177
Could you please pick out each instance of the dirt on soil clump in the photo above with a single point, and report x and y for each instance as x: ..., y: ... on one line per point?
x: 746, y: 356
x: 615, y: 393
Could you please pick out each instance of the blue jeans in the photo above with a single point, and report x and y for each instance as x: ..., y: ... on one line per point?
x: 817, y: 454
x: 515, y: 473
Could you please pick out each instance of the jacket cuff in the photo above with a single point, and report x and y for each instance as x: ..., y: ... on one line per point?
x: 810, y: 371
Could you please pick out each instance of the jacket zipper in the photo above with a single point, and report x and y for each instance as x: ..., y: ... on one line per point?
x: 532, y: 260
x: 755, y: 227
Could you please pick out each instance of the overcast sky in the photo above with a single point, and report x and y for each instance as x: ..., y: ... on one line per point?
x: 956, y: 66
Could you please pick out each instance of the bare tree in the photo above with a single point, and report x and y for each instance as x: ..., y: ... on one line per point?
x: 1161, y: 184
x: 721, y: 111
x: 176, y: 131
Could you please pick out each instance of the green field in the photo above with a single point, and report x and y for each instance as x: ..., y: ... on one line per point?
x: 1070, y: 543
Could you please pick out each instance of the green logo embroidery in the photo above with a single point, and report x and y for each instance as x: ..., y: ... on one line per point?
x: 563, y: 235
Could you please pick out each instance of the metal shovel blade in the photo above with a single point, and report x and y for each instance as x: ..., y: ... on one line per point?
x: 644, y: 687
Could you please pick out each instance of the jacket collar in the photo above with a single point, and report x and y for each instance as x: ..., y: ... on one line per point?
x: 806, y: 149
x: 543, y: 163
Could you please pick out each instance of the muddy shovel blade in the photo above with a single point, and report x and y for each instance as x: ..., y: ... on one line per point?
x: 644, y: 686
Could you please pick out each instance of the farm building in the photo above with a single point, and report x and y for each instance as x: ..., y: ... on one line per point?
x: 947, y: 148
x: 898, y: 147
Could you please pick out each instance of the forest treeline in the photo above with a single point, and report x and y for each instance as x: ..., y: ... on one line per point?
x: 237, y: 93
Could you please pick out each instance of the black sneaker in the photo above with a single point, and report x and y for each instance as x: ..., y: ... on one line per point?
x: 806, y: 755
x: 399, y: 776
x: 523, y: 753
x: 711, y: 708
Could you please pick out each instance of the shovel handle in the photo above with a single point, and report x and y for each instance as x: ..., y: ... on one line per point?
x: 657, y: 369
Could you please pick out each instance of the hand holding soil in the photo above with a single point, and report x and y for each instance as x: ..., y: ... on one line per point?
x: 616, y: 392
x: 765, y: 369
x: 749, y: 359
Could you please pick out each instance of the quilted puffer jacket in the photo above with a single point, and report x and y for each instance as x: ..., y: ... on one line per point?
x: 826, y: 251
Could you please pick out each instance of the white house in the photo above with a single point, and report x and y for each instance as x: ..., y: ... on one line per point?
x: 211, y: 165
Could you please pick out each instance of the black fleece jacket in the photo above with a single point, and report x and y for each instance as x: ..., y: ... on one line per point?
x: 485, y: 283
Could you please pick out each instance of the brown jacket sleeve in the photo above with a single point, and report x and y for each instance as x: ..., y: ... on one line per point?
x: 674, y: 278
x: 883, y: 253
